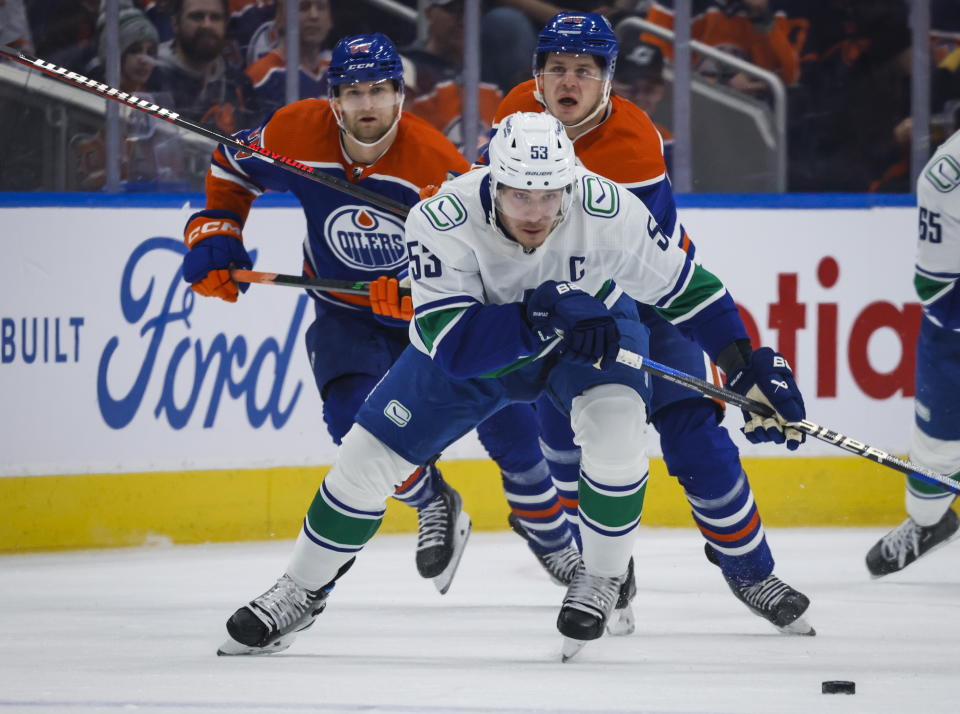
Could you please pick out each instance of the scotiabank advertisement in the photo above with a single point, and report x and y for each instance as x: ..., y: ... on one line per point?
x: 110, y: 363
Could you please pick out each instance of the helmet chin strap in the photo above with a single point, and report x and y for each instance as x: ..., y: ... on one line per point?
x: 601, y: 105
x: 339, y: 118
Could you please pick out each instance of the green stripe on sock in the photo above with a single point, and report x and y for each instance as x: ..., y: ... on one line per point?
x: 927, y: 488
x: 337, y: 527
x: 611, y: 511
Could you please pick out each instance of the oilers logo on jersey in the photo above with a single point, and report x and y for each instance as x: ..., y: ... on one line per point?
x: 365, y: 238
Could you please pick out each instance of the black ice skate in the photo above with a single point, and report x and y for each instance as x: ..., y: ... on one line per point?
x: 271, y: 622
x: 559, y: 564
x: 586, y: 608
x: 907, y: 542
x: 441, y: 537
x: 773, y: 600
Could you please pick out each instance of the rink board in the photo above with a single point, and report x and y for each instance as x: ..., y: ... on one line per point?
x: 134, y: 410
x: 107, y: 510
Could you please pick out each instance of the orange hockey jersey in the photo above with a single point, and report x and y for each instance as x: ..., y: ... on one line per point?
x: 625, y: 147
x: 347, y: 238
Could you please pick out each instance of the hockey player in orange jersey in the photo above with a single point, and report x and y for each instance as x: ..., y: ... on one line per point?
x: 362, y: 135
x: 573, y: 67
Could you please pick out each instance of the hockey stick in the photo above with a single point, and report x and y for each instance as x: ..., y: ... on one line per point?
x: 632, y: 359
x: 351, y: 287
x: 145, y: 105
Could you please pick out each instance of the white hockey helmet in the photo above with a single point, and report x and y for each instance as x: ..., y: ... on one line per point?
x: 532, y: 152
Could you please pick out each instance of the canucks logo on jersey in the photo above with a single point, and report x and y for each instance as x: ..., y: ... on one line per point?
x: 365, y: 238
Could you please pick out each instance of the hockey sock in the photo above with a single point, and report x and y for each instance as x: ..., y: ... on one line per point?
x: 510, y: 438
x: 563, y: 458
x: 731, y: 525
x: 609, y: 516
x: 533, y: 500
x: 699, y: 452
x: 332, y: 534
x: 926, y: 503
x: 420, y: 488
x: 609, y: 421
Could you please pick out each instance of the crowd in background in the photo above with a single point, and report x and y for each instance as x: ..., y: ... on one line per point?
x: 845, y: 63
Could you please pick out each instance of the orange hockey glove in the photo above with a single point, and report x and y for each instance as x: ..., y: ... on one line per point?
x: 388, y: 307
x: 216, y: 245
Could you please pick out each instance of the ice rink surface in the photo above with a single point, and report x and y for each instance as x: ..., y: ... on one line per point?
x: 136, y: 630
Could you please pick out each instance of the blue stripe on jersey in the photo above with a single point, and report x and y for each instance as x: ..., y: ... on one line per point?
x: 484, y: 339
x: 316, y: 540
x: 601, y: 487
x: 931, y: 274
x: 678, y: 286
x: 349, y: 509
x: 455, y: 301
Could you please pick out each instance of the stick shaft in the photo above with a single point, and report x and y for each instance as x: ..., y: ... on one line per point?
x: 148, y: 107
x: 829, y: 436
x: 350, y: 287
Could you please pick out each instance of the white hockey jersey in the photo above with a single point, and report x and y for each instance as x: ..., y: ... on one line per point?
x: 461, y: 265
x: 938, y: 245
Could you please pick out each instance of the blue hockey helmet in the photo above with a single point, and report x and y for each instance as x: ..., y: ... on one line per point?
x: 580, y: 33
x: 364, y: 58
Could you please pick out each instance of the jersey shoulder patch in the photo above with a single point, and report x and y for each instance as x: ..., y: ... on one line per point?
x: 600, y: 197
x: 943, y: 173
x: 444, y: 211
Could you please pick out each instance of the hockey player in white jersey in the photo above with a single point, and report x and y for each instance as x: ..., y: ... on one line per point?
x: 525, y: 276
x: 935, y: 442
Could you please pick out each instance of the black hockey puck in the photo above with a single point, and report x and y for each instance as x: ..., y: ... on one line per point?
x: 839, y: 687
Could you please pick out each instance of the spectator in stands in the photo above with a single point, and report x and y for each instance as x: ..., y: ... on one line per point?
x: 436, y: 78
x: 204, y: 87
x: 744, y: 28
x: 159, y: 12
x: 252, y: 28
x: 14, y: 29
x: 65, y: 31
x: 269, y: 74
x: 149, y: 155
x: 639, y: 78
x: 846, y: 123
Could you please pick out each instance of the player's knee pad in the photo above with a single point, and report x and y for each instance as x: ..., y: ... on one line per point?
x: 609, y: 425
x: 696, y: 449
x: 510, y: 437
x: 342, y: 398
x: 367, y: 471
